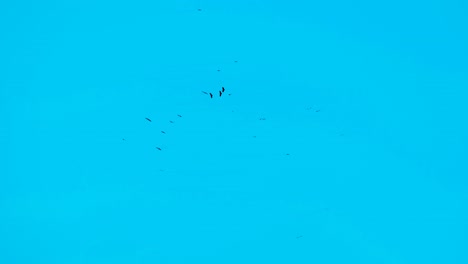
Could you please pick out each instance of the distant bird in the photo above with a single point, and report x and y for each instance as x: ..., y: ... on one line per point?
x: 222, y: 89
x: 199, y: 9
x: 218, y: 70
x: 179, y: 115
x: 172, y: 122
x: 317, y: 111
x: 229, y: 94
x: 287, y: 154
x: 158, y: 148
x: 220, y: 93
x: 235, y: 61
x: 262, y: 118
x: 163, y: 132
x: 298, y: 236
x: 123, y: 139
x: 148, y: 119
x: 211, y: 95
x: 204, y: 92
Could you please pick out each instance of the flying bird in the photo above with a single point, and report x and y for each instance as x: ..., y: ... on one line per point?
x: 163, y: 132
x: 222, y: 89
x: 220, y: 93
x: 158, y: 148
x: 172, y: 122
x: 179, y: 115
x: 204, y: 92
x: 148, y: 119
x: 211, y: 95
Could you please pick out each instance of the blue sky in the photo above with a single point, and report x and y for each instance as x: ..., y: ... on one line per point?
x: 361, y: 157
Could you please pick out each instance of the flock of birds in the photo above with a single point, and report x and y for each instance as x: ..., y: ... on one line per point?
x: 210, y: 94
x: 221, y: 92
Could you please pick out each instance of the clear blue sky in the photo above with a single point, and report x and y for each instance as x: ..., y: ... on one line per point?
x: 368, y: 98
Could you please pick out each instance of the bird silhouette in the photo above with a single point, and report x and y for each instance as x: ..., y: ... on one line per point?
x: 204, y: 92
x: 211, y: 95
x: 163, y: 132
x: 148, y: 119
x: 172, y: 122
x: 222, y: 89
x: 158, y: 148
x: 220, y: 93
x: 179, y: 115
